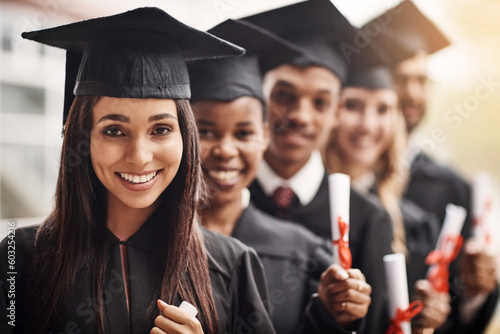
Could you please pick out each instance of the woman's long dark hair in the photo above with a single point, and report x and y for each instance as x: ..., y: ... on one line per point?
x: 72, y: 239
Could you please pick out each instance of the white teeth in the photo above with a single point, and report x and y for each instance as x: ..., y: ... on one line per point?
x: 137, y: 178
x: 223, y: 175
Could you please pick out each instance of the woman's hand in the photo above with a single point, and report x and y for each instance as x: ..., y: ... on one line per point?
x: 436, y: 307
x: 345, y: 294
x: 173, y: 320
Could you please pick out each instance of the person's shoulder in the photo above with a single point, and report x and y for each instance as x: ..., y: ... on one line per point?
x: 224, y: 253
x: 425, y: 164
x: 17, y: 250
x: 368, y: 213
x: 23, y: 238
x: 284, y: 230
x: 367, y: 202
x: 414, y: 214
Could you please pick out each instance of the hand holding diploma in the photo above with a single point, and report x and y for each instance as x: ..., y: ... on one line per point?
x: 400, y: 310
x: 174, y: 319
x: 478, y: 269
x: 436, y: 307
x: 478, y: 265
x: 345, y: 294
x: 339, y: 193
x: 448, y: 247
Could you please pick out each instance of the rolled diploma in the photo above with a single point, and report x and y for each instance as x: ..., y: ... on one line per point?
x: 397, y: 286
x: 339, y: 192
x: 452, y: 226
x: 185, y: 306
x: 481, y: 195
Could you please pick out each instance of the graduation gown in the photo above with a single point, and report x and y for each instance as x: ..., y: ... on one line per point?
x: 293, y: 259
x: 236, y: 277
x: 432, y: 187
x: 421, y: 232
x: 370, y: 238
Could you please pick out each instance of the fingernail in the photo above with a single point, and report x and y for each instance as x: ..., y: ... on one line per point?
x: 162, y: 303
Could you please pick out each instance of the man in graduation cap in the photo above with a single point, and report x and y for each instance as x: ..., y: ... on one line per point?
x: 302, y: 96
x: 433, y: 186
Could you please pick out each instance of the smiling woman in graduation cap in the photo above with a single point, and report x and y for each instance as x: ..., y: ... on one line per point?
x: 122, y: 234
x: 367, y: 144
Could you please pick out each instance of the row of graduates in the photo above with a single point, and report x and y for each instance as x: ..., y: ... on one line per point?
x: 124, y: 232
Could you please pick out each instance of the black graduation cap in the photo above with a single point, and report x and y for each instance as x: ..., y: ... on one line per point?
x: 137, y: 54
x: 317, y: 27
x: 227, y: 79
x: 414, y: 30
x: 371, y: 66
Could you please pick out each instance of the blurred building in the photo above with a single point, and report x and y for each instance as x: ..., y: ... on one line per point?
x: 31, y: 77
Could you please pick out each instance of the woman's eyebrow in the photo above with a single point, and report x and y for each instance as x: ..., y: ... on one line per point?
x: 159, y: 117
x: 115, y: 117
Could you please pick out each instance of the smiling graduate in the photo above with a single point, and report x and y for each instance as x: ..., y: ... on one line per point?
x: 122, y: 246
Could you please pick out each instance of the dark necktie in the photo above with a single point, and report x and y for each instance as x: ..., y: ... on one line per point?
x: 283, y: 197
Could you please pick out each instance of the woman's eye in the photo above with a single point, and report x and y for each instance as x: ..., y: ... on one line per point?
x: 204, y: 133
x: 161, y: 131
x: 112, y: 132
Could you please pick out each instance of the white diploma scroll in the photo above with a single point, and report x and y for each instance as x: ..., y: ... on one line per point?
x: 452, y: 226
x: 397, y: 286
x: 339, y: 192
x: 447, y: 248
x: 482, y: 202
x: 185, y: 306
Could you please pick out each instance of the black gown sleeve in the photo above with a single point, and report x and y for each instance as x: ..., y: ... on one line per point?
x: 238, y: 285
x: 249, y: 288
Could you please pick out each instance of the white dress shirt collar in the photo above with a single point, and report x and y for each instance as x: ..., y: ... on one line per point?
x: 305, y: 183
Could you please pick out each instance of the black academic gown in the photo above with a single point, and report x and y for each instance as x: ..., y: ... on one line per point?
x: 237, y: 280
x: 421, y: 231
x: 293, y: 259
x: 370, y: 238
x: 432, y: 187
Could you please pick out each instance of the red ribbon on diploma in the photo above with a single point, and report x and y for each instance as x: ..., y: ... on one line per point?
x: 480, y: 220
x: 439, y: 273
x: 404, y: 316
x: 345, y: 256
